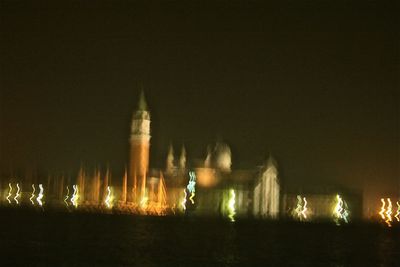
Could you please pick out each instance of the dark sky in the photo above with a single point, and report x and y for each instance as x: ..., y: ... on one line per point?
x: 316, y: 84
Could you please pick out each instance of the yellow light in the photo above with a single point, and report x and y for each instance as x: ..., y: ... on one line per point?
x: 299, y: 207
x: 66, y: 197
x: 33, y: 194
x: 397, y: 216
x: 339, y: 207
x: 109, y: 198
x: 231, y: 205
x: 9, y: 193
x: 40, y: 196
x: 17, y: 195
x: 144, y: 201
x: 382, y: 212
x: 75, y: 196
x: 191, y: 197
x: 183, y: 203
x: 389, y: 213
x: 303, y: 212
x: 340, y: 211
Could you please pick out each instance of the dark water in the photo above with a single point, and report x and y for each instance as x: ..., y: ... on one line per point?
x: 71, y: 239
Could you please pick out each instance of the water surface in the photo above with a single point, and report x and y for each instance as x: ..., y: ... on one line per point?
x: 35, y: 238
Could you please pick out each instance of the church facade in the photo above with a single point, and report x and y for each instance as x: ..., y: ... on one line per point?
x: 208, y: 188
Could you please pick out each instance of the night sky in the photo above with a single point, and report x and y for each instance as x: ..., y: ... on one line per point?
x: 315, y: 84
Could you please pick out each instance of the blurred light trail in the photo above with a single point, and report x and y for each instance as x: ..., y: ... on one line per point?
x: 382, y: 212
x: 9, y: 193
x: 66, y: 197
x: 389, y: 213
x: 109, y: 198
x: 303, y: 212
x: 191, y: 197
x: 299, y: 207
x: 345, y: 214
x: 33, y: 194
x: 192, y: 182
x: 341, y: 210
x: 17, y: 195
x: 40, y: 196
x: 191, y: 187
x: 74, y: 198
x: 231, y: 205
x: 145, y: 199
x: 183, y: 203
x: 339, y: 207
x: 143, y: 202
x: 397, y: 216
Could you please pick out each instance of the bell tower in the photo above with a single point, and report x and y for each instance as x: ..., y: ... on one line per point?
x: 139, y: 151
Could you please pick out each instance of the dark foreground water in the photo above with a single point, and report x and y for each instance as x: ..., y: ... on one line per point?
x: 72, y: 239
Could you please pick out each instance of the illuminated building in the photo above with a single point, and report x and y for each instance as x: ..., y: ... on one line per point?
x: 139, y: 152
x: 202, y: 187
x: 267, y: 191
x: 221, y: 190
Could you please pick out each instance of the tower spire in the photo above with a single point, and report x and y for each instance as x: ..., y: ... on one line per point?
x: 139, y: 150
x: 170, y: 160
x: 271, y: 161
x: 182, y: 159
x: 142, y: 105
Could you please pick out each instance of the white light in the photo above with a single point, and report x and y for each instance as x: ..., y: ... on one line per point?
x: 40, y: 196
x: 75, y: 196
x: 17, y: 195
x: 9, y: 193
x: 109, y: 198
x: 33, y: 194
x: 66, y: 197
x: 303, y: 212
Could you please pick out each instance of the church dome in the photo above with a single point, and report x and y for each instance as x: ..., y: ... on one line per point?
x: 223, y: 157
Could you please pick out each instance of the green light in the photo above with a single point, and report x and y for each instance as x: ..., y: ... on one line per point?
x: 231, y: 205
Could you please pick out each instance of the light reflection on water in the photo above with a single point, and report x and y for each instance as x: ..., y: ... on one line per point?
x: 45, y: 239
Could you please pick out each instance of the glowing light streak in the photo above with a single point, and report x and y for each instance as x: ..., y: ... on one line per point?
x: 191, y: 187
x: 75, y: 196
x: 231, y: 205
x: 33, y: 194
x: 300, y: 212
x: 143, y: 202
x: 345, y: 214
x: 341, y: 211
x: 382, y: 212
x: 304, y: 211
x: 299, y: 207
x: 183, y: 203
x: 191, y: 197
x: 40, y: 196
x: 389, y: 213
x: 9, y: 193
x: 339, y: 207
x: 17, y: 195
x: 66, y: 197
x: 397, y: 216
x: 109, y: 198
